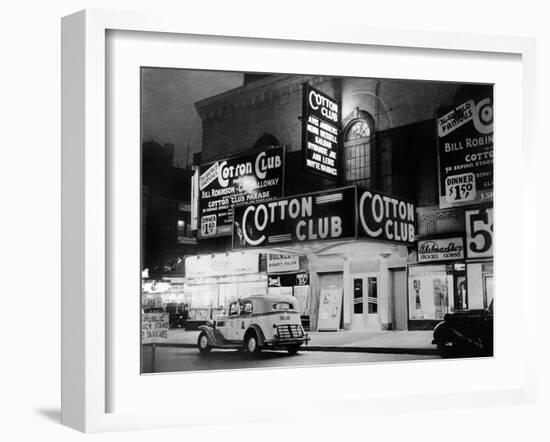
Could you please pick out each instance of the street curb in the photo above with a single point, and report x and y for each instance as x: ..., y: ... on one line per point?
x: 332, y: 348
x: 394, y: 350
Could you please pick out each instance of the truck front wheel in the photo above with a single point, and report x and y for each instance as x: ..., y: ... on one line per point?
x: 203, y: 344
x: 293, y: 349
x: 251, y: 344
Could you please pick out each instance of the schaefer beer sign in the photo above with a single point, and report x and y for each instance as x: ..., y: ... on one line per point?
x: 327, y: 215
x: 246, y: 179
x: 465, y: 139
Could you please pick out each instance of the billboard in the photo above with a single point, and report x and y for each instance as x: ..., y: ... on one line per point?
x: 325, y: 215
x: 320, y: 133
x: 248, y: 178
x: 465, y: 152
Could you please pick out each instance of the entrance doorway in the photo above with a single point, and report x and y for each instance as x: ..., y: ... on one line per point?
x: 364, y: 314
x: 398, y: 281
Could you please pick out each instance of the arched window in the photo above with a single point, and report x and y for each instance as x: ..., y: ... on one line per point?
x: 266, y: 140
x: 358, y: 140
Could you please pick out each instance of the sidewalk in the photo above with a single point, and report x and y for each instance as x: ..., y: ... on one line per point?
x: 403, y: 342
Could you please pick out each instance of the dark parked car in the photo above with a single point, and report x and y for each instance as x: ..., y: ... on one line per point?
x: 465, y: 333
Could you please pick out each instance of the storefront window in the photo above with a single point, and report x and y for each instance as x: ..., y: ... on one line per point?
x: 210, y: 300
x: 429, y: 292
x: 372, y: 295
x: 480, y: 284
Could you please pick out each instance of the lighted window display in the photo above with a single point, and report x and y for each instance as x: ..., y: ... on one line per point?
x: 430, y: 288
x: 210, y: 300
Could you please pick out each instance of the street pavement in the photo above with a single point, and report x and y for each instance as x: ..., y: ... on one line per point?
x: 174, y: 359
x: 402, y: 342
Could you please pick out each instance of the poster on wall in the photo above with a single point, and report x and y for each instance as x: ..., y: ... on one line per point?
x: 465, y: 153
x: 320, y: 133
x: 247, y: 178
x: 330, y: 307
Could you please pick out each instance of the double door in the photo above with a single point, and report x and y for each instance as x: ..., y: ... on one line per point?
x: 364, y: 314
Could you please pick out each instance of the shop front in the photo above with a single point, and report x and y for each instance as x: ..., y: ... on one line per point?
x: 348, y: 243
x: 212, y: 282
x: 444, y: 280
x: 289, y: 275
x: 436, y: 281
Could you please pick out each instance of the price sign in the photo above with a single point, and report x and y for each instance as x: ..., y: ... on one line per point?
x: 208, y: 225
x: 479, y: 233
x: 460, y: 188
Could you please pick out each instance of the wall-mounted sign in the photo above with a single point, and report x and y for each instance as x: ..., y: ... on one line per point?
x: 318, y: 216
x: 256, y: 176
x: 282, y: 263
x: 221, y: 264
x: 289, y: 280
x: 154, y: 327
x: 440, y: 249
x: 479, y: 233
x: 465, y: 141
x: 386, y: 217
x: 320, y: 133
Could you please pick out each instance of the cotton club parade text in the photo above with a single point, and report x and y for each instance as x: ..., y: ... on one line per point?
x: 325, y: 216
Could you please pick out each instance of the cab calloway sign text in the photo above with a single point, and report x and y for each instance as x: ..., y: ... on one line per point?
x: 342, y: 213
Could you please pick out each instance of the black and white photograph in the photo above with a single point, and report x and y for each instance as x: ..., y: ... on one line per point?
x: 306, y: 220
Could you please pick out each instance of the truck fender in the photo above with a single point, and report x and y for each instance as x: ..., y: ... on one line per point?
x: 259, y: 333
x: 210, y: 334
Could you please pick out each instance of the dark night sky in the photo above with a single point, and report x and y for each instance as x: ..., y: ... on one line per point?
x: 168, y: 113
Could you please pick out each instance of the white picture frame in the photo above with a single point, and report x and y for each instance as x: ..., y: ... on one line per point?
x: 86, y: 204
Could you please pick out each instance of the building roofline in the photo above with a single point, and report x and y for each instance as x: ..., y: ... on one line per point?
x: 248, y: 92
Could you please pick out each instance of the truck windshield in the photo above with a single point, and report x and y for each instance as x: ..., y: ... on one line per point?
x: 282, y: 306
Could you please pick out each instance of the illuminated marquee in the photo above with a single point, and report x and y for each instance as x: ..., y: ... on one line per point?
x: 246, y: 178
x: 386, y: 217
x: 301, y: 218
x: 320, y: 133
x: 337, y: 214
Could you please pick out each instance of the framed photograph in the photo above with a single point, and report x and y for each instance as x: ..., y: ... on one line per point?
x: 313, y: 225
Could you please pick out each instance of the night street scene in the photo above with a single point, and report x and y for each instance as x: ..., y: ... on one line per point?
x: 306, y: 220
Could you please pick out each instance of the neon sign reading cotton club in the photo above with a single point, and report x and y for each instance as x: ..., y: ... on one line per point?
x: 320, y: 133
x: 337, y: 214
x: 386, y: 217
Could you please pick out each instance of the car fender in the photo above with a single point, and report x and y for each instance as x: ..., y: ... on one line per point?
x: 210, y: 333
x: 259, y: 333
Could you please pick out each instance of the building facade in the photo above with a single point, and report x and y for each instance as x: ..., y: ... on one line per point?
x: 390, y: 144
